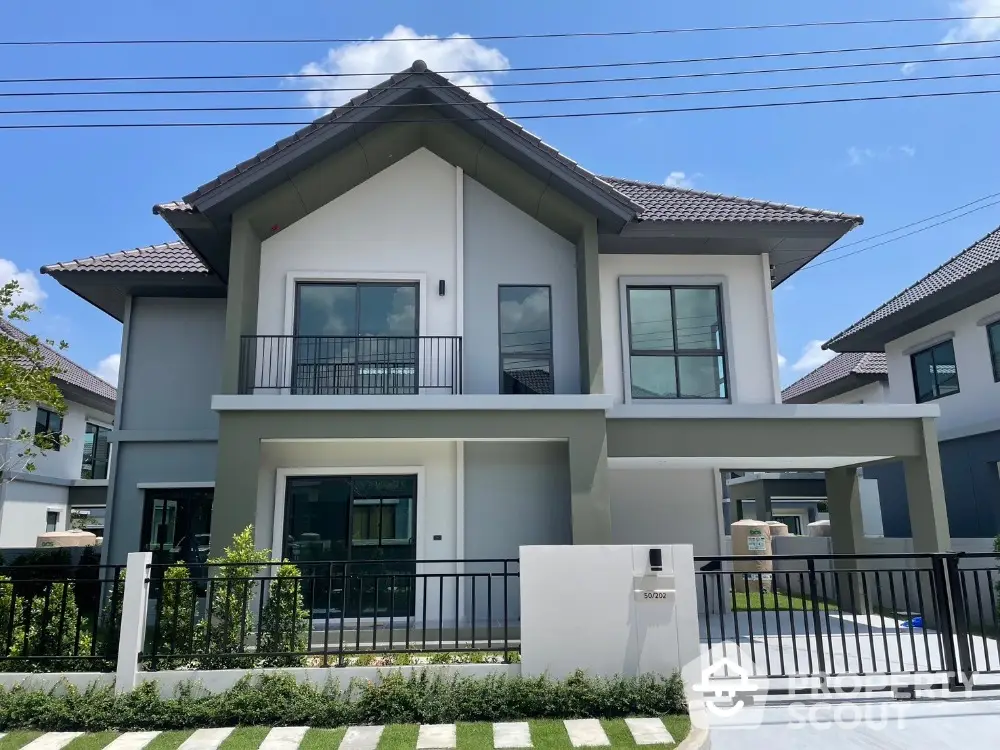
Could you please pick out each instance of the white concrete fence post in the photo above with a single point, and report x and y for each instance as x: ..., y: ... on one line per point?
x: 133, y: 625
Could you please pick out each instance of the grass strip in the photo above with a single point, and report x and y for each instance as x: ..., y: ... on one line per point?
x: 92, y: 741
x: 619, y: 734
x: 549, y: 734
x: 245, y: 738
x: 399, y: 737
x: 323, y: 739
x: 678, y: 726
x: 475, y: 736
x: 168, y: 740
x: 17, y: 739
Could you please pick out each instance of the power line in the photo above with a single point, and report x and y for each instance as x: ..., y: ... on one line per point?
x: 554, y: 100
x: 490, y: 37
x: 547, y: 116
x: 528, y: 69
x: 506, y: 84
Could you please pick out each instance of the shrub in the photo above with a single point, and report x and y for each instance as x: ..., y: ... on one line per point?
x: 175, y: 628
x: 284, y: 622
x: 49, y: 625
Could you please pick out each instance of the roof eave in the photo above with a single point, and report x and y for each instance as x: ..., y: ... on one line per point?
x: 834, y: 388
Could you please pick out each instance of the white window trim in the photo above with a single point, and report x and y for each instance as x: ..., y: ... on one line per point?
x: 928, y: 343
x: 722, y: 282
x: 294, y: 277
x: 174, y: 485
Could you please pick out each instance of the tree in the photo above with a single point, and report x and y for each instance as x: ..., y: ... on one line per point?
x: 27, y: 378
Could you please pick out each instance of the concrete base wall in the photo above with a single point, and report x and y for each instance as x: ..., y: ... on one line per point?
x: 666, y: 506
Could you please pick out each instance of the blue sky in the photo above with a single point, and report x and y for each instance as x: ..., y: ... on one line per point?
x: 72, y: 193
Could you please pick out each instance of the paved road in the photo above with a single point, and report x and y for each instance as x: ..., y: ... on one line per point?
x: 964, y: 724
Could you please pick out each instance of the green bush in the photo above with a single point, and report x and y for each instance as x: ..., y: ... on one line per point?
x: 278, y: 700
x: 284, y: 623
x: 175, y: 629
x: 48, y: 624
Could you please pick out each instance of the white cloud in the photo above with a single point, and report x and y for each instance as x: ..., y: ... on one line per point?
x: 30, y: 291
x: 681, y: 180
x: 782, y: 360
x: 813, y: 355
x: 381, y: 59
x: 856, y: 155
x: 107, y: 368
x: 978, y: 26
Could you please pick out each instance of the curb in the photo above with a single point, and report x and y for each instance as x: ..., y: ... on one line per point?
x: 697, y: 739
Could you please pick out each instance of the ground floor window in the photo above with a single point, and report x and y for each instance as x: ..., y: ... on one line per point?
x: 354, y: 539
x: 176, y: 525
x: 794, y: 523
x: 52, y: 520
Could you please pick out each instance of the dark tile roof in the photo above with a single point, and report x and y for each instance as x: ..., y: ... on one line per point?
x: 480, y: 110
x: 980, y: 255
x: 533, y: 379
x: 70, y: 372
x: 872, y: 364
x: 169, y: 257
x: 663, y: 203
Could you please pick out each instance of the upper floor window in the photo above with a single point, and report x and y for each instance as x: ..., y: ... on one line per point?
x: 48, y: 429
x: 675, y: 342
x: 993, y: 334
x: 935, y: 373
x: 525, y: 339
x: 96, y: 451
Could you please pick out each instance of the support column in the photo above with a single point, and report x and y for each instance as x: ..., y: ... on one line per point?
x: 588, y: 294
x: 234, y: 506
x: 843, y: 496
x: 589, y: 484
x: 241, y: 298
x: 925, y: 495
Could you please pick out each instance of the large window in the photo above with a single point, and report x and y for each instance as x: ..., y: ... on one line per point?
x: 96, y: 451
x: 357, y: 534
x: 675, y: 342
x: 48, y: 429
x: 935, y: 373
x: 355, y: 338
x: 176, y: 526
x: 525, y: 339
x: 993, y: 334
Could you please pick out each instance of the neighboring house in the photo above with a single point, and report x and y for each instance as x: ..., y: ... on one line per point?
x: 71, y: 481
x: 936, y: 342
x: 438, y: 338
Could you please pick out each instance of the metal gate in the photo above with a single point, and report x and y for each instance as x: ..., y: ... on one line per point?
x: 864, y: 622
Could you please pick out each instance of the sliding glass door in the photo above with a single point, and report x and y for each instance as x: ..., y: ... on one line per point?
x: 354, y: 537
x: 355, y: 338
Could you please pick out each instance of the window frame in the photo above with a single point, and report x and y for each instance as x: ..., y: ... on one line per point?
x: 718, y: 283
x: 993, y: 351
x: 500, y: 354
x: 54, y: 524
x: 937, y: 388
x: 56, y: 435
x: 98, y: 428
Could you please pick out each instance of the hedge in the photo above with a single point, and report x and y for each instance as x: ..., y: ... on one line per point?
x: 278, y: 700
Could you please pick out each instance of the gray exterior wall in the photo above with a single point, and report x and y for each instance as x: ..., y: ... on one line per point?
x: 174, y: 364
x: 503, y: 245
x: 142, y: 462
x: 971, y: 488
x: 515, y: 494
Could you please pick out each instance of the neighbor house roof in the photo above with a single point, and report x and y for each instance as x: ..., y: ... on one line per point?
x: 168, y: 257
x: 663, y: 203
x: 70, y: 373
x: 843, y: 373
x: 963, y: 280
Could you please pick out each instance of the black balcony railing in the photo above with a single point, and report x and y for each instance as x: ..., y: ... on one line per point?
x: 339, y: 365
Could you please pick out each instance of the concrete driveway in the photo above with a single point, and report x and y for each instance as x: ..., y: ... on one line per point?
x: 924, y: 724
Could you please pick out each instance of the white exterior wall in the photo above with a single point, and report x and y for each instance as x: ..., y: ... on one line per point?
x: 871, y: 393
x: 976, y: 408
x: 68, y: 460
x: 399, y: 225
x: 748, y: 320
x: 22, y: 515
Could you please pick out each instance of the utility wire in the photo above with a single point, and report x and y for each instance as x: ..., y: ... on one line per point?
x: 492, y: 37
x: 562, y: 100
x: 548, y: 116
x: 534, y: 68
x: 506, y: 84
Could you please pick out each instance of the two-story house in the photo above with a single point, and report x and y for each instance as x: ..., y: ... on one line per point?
x: 412, y: 330
x: 69, y: 481
x: 938, y: 341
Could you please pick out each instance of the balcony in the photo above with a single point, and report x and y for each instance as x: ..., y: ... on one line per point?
x: 350, y: 365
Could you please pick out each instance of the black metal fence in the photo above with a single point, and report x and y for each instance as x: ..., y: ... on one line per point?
x: 364, y: 365
x: 880, y: 615
x: 60, y: 617
x: 339, y: 613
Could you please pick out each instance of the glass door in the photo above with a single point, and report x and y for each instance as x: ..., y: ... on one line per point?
x: 177, y: 527
x: 354, y: 538
x: 355, y: 338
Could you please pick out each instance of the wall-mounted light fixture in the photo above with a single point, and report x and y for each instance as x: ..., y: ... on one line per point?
x: 441, y: 288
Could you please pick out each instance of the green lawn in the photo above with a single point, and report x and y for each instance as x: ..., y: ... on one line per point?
x: 545, y: 734
x: 755, y: 602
